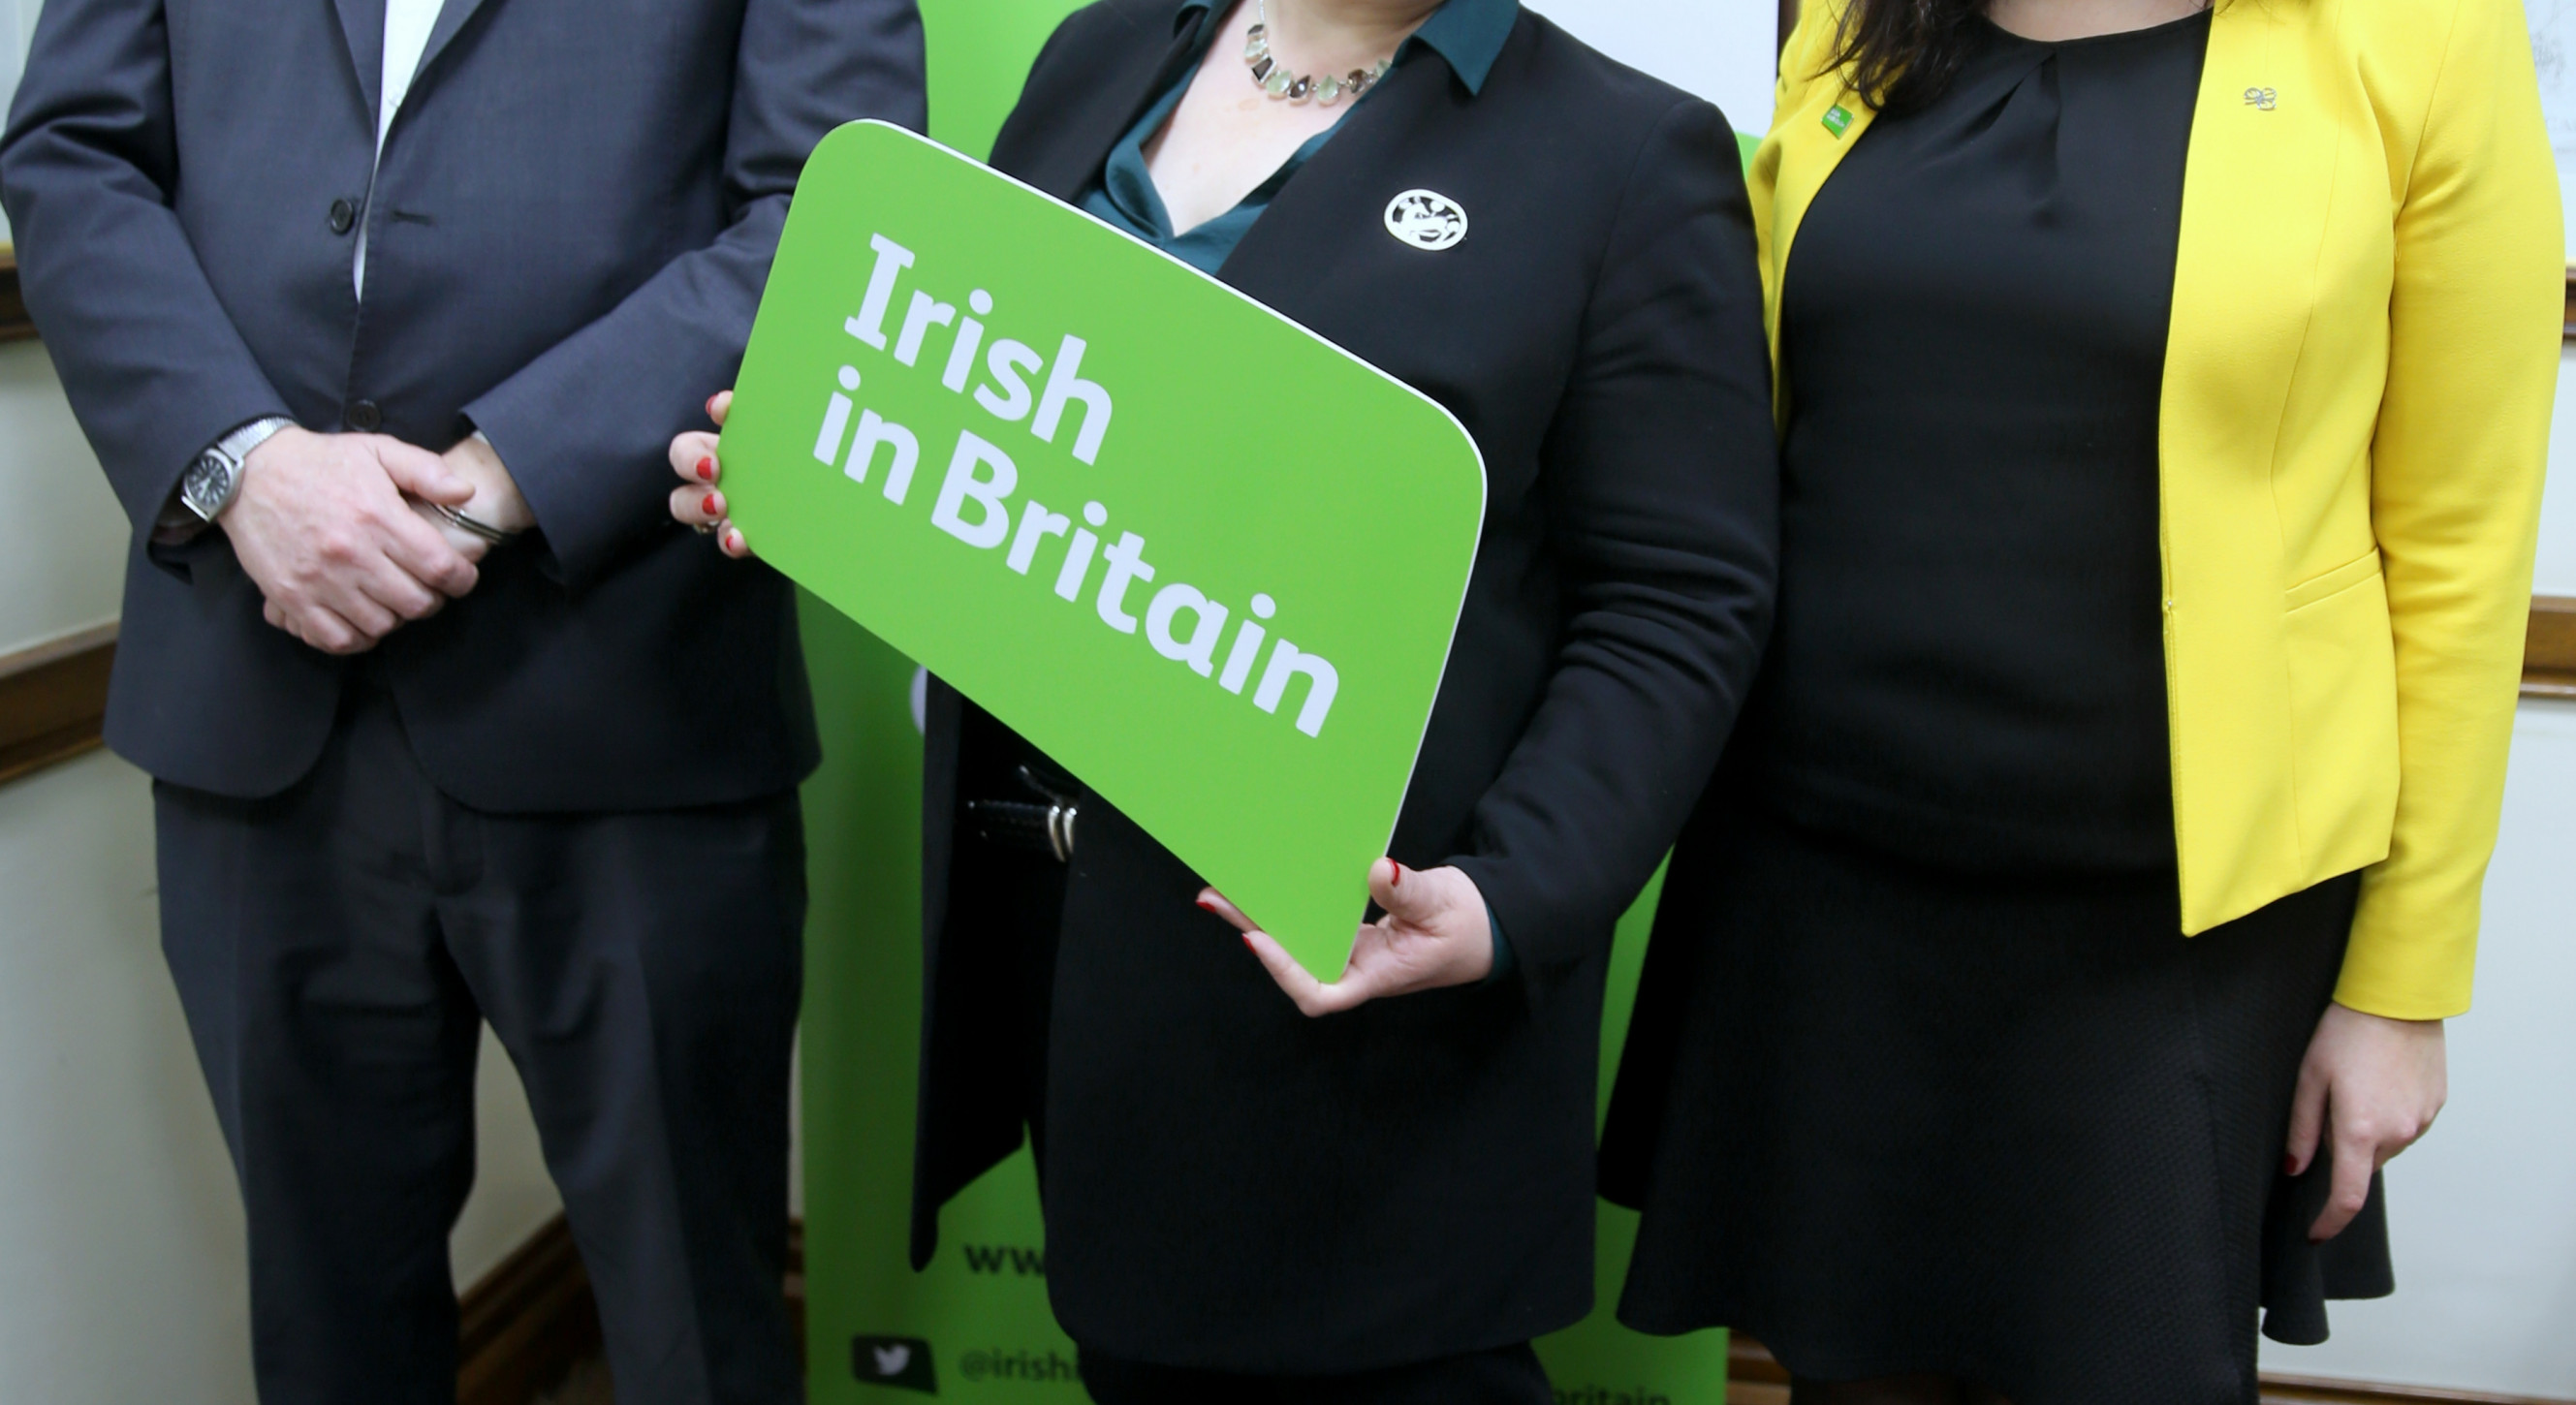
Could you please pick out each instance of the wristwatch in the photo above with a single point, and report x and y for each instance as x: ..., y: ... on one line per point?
x: 214, y: 480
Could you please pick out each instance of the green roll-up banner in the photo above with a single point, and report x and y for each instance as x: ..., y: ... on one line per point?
x: 975, y: 1325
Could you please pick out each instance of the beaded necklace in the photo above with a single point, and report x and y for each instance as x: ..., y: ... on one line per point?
x: 1273, y: 77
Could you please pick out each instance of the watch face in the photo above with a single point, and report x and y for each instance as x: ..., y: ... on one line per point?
x: 208, y: 485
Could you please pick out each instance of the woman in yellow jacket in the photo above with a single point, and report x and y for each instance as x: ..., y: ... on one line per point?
x: 2164, y: 396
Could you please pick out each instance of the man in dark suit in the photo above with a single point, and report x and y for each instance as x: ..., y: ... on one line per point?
x: 379, y: 314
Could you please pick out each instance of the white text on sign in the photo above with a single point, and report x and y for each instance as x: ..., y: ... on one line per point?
x: 974, y: 501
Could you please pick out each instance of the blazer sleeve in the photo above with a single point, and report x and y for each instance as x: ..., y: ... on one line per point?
x: 1660, y: 479
x: 583, y: 428
x: 147, y: 354
x: 2456, y: 467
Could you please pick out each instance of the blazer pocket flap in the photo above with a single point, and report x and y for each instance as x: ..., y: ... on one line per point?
x: 2334, y: 582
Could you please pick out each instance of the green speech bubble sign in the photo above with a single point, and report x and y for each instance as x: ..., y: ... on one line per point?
x: 1209, y: 561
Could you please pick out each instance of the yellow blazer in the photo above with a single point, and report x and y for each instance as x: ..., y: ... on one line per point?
x: 2357, y: 387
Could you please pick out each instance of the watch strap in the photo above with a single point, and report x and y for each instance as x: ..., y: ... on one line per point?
x: 238, y: 444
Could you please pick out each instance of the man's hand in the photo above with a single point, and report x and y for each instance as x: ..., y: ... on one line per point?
x: 323, y: 528
x: 496, y: 501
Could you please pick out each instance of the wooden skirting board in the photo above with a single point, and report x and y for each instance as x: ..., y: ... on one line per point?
x: 2549, y: 652
x: 1755, y: 1378
x: 14, y: 322
x: 52, y: 699
x: 524, y: 1326
x: 531, y: 1320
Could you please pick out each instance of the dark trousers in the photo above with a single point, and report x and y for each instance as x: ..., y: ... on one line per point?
x: 337, y: 948
x: 1509, y: 1375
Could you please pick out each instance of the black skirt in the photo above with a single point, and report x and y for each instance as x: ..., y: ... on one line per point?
x: 2013, y: 1129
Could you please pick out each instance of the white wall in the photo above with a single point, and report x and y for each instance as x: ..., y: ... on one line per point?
x: 17, y: 24
x: 2483, y: 1212
x: 1722, y: 50
x: 122, y: 1275
x: 62, y: 566
x: 2556, y: 571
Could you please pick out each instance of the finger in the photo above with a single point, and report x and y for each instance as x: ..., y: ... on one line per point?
x: 720, y: 405
x: 1313, y: 997
x: 1386, y: 889
x: 421, y: 473
x: 729, y: 540
x: 401, y: 594
x: 420, y: 550
x: 2355, y: 1158
x: 2307, y: 1123
x: 693, y: 457
x: 276, y: 617
x: 696, y: 507
x: 1216, y: 902
x: 361, y: 612
x: 324, y: 629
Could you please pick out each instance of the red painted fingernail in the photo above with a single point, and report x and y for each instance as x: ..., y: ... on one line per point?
x: 1206, y: 906
x: 711, y: 407
x: 1398, y: 880
x: 1248, y: 946
x: 713, y: 506
x: 2289, y: 1165
x: 707, y: 469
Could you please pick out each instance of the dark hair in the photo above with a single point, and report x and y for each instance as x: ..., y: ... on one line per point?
x: 1903, y: 53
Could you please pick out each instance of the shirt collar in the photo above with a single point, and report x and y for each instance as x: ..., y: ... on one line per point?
x: 1468, y: 35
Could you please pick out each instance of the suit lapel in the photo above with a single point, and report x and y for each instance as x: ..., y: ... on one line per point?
x: 362, y: 24
x: 1066, y: 166
x: 452, y: 17
x: 1275, y: 255
x: 2255, y: 205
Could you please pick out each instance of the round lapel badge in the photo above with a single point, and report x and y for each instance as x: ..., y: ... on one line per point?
x: 1427, y: 220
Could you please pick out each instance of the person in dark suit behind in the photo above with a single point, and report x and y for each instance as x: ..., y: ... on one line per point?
x: 1387, y: 1204
x: 378, y: 315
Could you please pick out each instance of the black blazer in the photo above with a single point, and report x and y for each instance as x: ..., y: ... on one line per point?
x: 1229, y: 1184
x: 570, y: 229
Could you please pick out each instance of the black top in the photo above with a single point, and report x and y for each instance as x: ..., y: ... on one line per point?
x: 1969, y: 663
x: 1229, y: 1184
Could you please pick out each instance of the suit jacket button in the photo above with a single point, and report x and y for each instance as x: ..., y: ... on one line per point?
x: 344, y: 216
x: 365, y: 417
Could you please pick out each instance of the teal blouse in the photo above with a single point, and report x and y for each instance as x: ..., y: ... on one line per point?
x: 1468, y: 35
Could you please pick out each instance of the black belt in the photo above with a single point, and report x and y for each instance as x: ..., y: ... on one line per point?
x: 1042, y: 826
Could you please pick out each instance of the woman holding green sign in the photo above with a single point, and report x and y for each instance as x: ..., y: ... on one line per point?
x: 2166, y: 390
x: 1379, y: 1189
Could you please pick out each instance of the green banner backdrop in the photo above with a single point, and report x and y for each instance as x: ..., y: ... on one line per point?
x: 976, y: 1326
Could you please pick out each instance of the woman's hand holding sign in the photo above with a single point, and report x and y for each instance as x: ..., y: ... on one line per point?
x: 1435, y: 933
x: 697, y: 502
